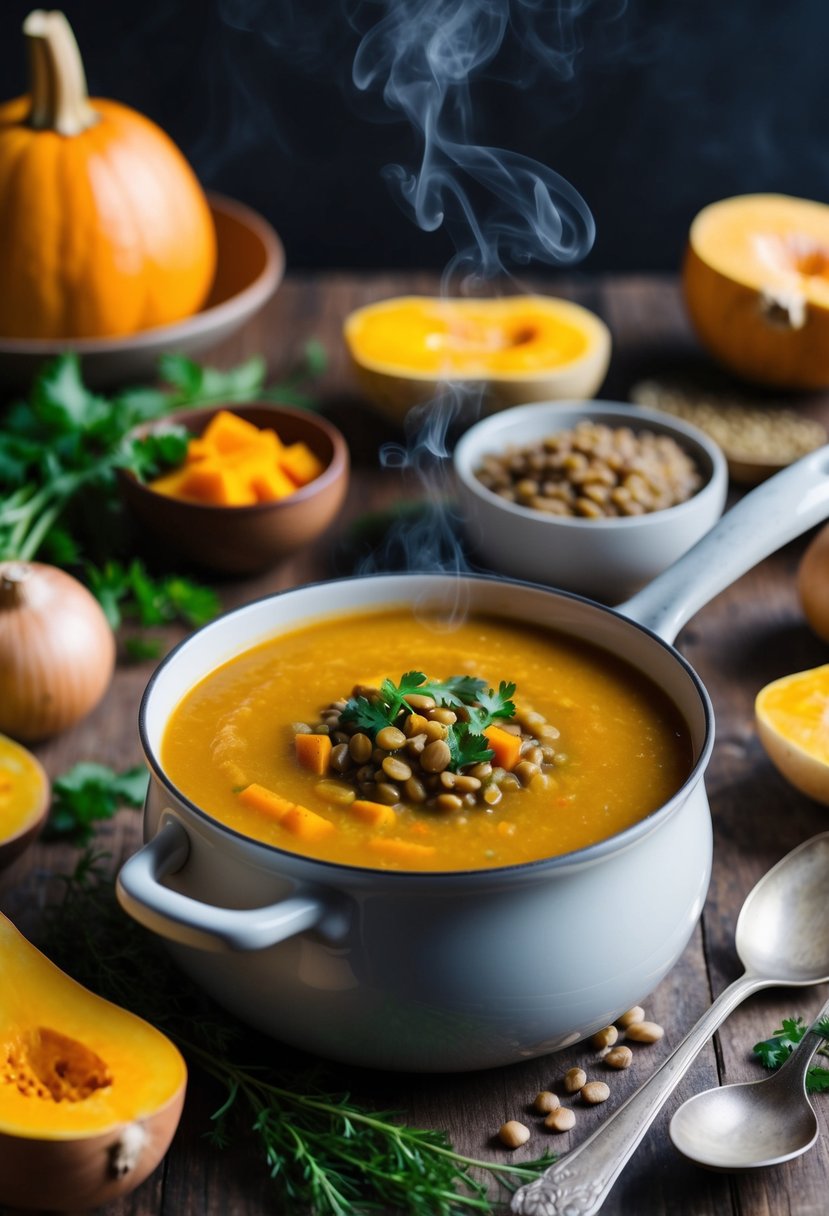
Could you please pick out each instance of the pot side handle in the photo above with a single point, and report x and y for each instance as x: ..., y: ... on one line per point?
x: 782, y: 508
x: 190, y: 922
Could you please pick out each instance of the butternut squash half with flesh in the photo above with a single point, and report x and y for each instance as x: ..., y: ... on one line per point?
x: 756, y: 282
x: 90, y: 1095
x: 511, y: 350
x: 24, y: 799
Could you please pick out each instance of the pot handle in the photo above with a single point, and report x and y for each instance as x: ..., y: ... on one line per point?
x: 782, y: 508
x: 207, y: 927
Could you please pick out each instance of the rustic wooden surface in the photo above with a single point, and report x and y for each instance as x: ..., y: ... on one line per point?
x: 749, y: 635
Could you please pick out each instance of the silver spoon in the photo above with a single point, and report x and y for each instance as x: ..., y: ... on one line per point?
x: 755, y: 1123
x: 782, y: 939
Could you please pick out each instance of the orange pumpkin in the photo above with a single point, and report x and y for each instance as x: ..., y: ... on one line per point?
x: 104, y: 229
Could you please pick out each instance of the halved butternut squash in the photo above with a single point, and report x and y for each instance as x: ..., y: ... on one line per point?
x: 90, y: 1095
x: 756, y: 282
x: 24, y: 799
x: 514, y: 349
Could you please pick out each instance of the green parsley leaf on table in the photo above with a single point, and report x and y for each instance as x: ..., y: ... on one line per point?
x: 88, y: 793
x: 775, y: 1050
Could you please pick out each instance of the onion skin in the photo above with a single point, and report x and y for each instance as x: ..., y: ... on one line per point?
x: 57, y: 651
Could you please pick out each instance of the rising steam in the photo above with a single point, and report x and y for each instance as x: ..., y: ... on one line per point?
x: 499, y: 207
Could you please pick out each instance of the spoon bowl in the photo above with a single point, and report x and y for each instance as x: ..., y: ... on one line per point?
x: 752, y: 1124
x: 783, y: 926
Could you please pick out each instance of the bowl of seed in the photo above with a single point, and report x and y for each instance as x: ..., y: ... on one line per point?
x: 593, y: 497
x: 758, y: 438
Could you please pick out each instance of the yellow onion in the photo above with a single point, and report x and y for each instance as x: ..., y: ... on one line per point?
x: 57, y: 651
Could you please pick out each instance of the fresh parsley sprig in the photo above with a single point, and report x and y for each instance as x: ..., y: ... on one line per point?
x: 61, y: 447
x: 775, y: 1050
x: 478, y: 706
x: 87, y: 793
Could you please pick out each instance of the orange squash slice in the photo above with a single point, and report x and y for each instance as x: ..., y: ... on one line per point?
x: 24, y: 799
x: 756, y: 282
x: 514, y: 350
x: 792, y: 717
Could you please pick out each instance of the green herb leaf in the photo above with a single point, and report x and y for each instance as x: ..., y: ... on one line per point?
x: 156, y: 452
x: 775, y: 1050
x: 88, y: 793
x: 130, y: 592
x: 61, y: 447
x: 467, y: 747
x: 369, y: 716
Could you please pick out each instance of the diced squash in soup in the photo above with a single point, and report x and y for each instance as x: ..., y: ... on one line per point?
x: 238, y: 746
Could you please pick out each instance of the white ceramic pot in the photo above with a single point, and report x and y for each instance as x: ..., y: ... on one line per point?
x: 451, y: 971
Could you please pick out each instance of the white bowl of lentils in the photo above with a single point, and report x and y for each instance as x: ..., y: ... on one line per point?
x: 595, y: 497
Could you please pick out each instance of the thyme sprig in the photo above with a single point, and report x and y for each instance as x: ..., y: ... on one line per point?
x: 324, y: 1152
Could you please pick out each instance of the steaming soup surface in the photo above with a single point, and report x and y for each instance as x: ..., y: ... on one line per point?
x: 624, y: 747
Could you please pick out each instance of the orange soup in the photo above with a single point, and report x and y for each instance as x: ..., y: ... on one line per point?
x: 614, y: 746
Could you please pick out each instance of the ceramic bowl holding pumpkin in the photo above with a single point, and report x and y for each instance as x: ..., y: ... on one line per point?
x: 109, y: 245
x: 248, y: 539
x: 605, y: 558
x: 250, y: 262
x: 502, y: 351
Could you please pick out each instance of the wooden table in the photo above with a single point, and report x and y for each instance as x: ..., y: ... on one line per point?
x: 749, y: 635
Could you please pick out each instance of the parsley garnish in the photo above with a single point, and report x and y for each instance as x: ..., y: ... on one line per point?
x: 776, y: 1050
x: 479, y: 708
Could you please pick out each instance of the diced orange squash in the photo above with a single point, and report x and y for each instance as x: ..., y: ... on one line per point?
x: 260, y: 798
x: 269, y: 485
x: 307, y: 825
x: 197, y: 449
x: 313, y: 752
x: 300, y: 463
x: 228, y: 432
x: 376, y: 813
x: 215, y: 485
x: 403, y: 851
x: 235, y: 464
x: 507, y: 747
x: 170, y: 483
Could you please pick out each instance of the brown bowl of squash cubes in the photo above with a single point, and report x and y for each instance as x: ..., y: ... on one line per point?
x: 249, y: 484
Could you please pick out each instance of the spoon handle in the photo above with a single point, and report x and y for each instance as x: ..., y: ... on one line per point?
x: 579, y: 1184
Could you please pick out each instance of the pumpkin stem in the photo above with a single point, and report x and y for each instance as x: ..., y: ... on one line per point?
x: 60, y: 101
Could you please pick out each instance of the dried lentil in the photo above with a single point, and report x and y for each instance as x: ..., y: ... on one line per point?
x: 619, y: 1057
x: 645, y: 1032
x: 546, y: 1102
x: 605, y: 1037
x: 513, y: 1134
x: 635, y: 1014
x: 594, y: 471
x: 574, y: 1079
x: 561, y: 1120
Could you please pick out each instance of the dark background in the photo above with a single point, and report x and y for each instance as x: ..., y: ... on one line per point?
x: 671, y: 104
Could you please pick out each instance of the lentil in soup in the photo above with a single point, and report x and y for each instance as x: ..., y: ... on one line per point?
x: 611, y: 747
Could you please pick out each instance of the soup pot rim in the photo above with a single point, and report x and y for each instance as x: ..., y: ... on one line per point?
x: 577, y: 857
